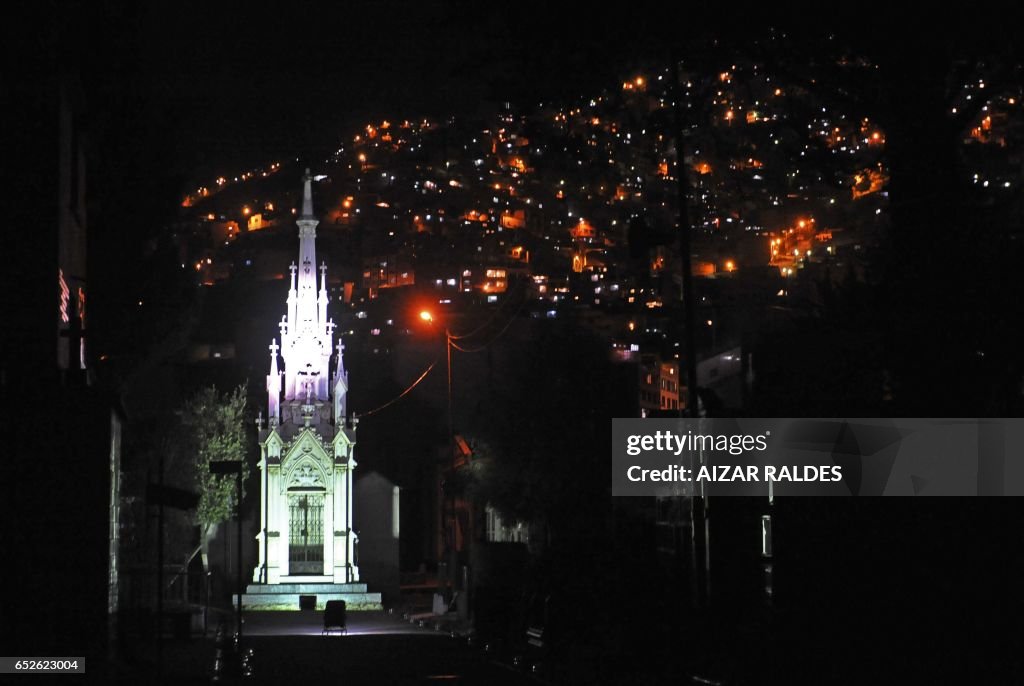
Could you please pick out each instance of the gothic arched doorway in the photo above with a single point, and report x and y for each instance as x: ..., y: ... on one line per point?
x: 305, y: 533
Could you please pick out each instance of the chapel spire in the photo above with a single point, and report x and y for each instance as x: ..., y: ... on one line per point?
x: 307, y: 335
x: 307, y: 222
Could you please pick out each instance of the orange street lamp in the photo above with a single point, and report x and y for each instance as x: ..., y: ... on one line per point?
x: 428, y: 317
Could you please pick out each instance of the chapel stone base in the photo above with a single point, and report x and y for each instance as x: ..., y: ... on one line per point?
x: 286, y: 596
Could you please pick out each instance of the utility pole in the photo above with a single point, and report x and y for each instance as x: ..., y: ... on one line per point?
x: 689, y: 306
x: 447, y: 497
x: 266, y: 500
x: 452, y: 562
x: 160, y: 569
x: 234, y: 467
x: 238, y: 546
x: 697, y: 503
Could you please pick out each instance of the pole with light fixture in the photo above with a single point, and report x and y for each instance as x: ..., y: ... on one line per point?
x: 428, y: 317
x: 224, y: 467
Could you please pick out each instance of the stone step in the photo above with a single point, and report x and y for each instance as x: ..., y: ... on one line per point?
x: 305, y: 589
x: 290, y: 601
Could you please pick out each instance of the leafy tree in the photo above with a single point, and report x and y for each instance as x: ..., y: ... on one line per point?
x: 215, y: 429
x: 544, y: 431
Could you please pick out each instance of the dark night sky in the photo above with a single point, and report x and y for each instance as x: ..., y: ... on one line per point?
x: 217, y: 83
x: 224, y: 85
x: 177, y: 93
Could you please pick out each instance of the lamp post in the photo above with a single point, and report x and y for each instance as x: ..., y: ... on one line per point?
x: 266, y: 498
x: 428, y: 317
x: 224, y: 467
x: 425, y: 315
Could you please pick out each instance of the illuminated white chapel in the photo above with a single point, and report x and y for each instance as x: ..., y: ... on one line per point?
x: 307, y: 542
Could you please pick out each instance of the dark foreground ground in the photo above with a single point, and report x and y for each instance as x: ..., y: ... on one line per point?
x: 288, y: 648
x: 962, y: 644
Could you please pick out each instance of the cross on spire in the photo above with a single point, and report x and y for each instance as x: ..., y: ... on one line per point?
x: 274, y: 347
x: 341, y: 358
x: 307, y: 195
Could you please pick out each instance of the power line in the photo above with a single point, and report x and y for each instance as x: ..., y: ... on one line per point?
x: 451, y: 342
x: 400, y: 395
x: 496, y: 336
x: 480, y: 328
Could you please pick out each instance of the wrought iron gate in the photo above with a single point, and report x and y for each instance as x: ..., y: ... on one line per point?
x: 306, y: 533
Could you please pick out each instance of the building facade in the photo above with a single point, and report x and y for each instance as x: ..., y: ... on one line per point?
x: 63, y: 478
